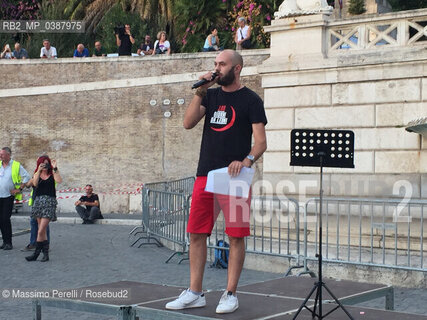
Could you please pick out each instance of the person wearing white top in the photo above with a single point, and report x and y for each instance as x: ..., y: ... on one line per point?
x: 47, y: 51
x: 7, y: 53
x: 242, y: 34
x: 161, y: 45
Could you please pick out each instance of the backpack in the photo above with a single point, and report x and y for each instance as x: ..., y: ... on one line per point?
x: 221, y: 255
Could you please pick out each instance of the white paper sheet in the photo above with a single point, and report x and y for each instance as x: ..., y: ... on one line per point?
x: 219, y: 181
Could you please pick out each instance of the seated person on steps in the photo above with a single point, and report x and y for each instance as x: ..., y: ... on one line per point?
x: 92, y: 210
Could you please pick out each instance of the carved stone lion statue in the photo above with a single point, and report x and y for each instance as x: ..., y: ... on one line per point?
x: 302, y: 7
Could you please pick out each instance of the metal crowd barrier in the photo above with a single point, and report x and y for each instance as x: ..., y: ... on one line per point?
x: 165, y: 210
x: 370, y: 232
x: 184, y: 185
x: 120, y: 312
x: 275, y: 229
x: 386, y: 233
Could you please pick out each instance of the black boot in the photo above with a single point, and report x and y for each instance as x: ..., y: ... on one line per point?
x: 45, y: 250
x: 35, y: 255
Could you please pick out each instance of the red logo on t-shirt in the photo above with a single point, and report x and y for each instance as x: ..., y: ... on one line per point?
x: 220, y: 118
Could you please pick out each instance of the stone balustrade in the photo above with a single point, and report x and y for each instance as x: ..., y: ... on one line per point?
x: 379, y: 32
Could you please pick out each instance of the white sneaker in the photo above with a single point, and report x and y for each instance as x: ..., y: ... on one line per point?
x: 186, y: 300
x: 228, y: 303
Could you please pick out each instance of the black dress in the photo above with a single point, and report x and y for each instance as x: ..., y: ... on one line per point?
x: 45, y: 203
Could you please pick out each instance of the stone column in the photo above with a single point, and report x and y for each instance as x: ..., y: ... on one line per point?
x: 298, y: 35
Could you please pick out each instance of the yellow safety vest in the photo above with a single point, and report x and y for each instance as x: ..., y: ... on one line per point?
x: 30, y: 201
x: 16, y: 178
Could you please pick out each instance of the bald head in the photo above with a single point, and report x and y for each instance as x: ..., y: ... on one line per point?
x: 234, y: 56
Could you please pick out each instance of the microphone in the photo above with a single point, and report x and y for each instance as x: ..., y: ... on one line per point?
x: 204, y: 81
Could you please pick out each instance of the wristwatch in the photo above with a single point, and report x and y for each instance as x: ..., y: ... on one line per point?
x: 251, y: 158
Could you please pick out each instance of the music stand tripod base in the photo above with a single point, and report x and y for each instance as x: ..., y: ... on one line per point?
x: 321, y: 148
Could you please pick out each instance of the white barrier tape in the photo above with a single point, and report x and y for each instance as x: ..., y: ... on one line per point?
x: 138, y: 191
x: 69, y: 190
x: 121, y: 187
x: 116, y: 187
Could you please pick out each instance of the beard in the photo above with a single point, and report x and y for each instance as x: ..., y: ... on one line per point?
x: 227, y: 79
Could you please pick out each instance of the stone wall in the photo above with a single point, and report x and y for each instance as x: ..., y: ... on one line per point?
x: 106, y: 119
x: 103, y: 119
x: 370, y: 89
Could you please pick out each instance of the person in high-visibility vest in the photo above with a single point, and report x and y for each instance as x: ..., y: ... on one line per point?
x: 13, y: 178
x: 45, y: 178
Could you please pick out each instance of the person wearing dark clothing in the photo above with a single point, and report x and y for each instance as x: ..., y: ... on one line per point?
x: 99, y: 50
x: 125, y: 41
x: 233, y: 115
x: 13, y: 178
x: 92, y: 210
x: 33, y: 235
x: 145, y: 48
x: 44, y: 181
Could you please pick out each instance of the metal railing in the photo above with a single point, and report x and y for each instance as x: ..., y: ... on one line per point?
x: 275, y: 222
x: 120, y: 312
x: 184, y: 185
x: 165, y: 210
x: 275, y: 228
x: 387, y: 233
x: 369, y: 232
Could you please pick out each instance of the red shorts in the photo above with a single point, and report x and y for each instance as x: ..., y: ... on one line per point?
x: 205, y: 207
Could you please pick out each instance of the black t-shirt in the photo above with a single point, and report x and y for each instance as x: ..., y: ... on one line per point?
x: 46, y: 187
x: 93, y: 197
x: 125, y: 48
x: 145, y: 46
x: 227, y: 132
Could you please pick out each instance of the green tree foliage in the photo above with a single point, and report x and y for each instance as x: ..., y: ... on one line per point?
x: 257, y: 13
x: 194, y: 19
x: 64, y: 43
x: 356, y: 7
x: 114, y: 17
x: 100, y: 17
x: 186, y: 22
x: 400, y: 5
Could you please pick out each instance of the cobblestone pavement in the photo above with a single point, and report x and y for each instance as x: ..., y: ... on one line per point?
x: 83, y: 255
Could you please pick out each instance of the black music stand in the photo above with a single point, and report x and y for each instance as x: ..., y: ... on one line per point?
x: 321, y: 148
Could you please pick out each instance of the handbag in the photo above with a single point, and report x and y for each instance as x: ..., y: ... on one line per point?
x: 158, y: 50
x: 247, y: 43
